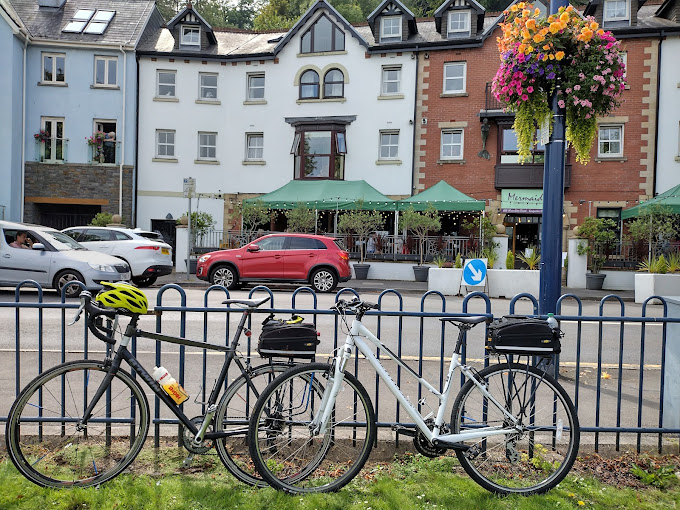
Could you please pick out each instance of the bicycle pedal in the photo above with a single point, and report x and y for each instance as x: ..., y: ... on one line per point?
x: 187, y: 462
x: 404, y: 430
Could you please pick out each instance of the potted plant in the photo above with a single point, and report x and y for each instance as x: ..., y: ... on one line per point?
x: 201, y: 223
x: 361, y: 223
x: 420, y: 223
x: 600, y: 237
x: 532, y: 260
x: 96, y: 141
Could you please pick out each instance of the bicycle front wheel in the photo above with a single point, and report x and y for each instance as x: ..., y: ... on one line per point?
x: 51, y: 447
x: 541, y: 449
x: 286, y: 453
x: 232, y: 416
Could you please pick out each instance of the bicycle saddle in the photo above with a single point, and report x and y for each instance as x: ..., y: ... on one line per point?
x: 465, y: 320
x: 250, y: 303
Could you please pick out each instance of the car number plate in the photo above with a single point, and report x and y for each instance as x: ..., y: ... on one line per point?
x: 165, y: 251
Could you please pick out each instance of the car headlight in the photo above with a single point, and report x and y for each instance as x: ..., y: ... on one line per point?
x: 204, y: 257
x: 102, y: 267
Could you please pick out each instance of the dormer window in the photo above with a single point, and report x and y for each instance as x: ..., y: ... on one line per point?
x: 322, y: 36
x: 616, y: 10
x: 191, y: 36
x: 458, y: 24
x: 390, y: 28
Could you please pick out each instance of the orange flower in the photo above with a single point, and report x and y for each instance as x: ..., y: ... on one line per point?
x: 531, y: 24
x: 520, y: 48
x: 546, y: 47
x: 594, y: 25
x: 554, y: 28
x: 521, y: 5
x: 526, y: 13
x: 514, y: 8
x: 529, y: 49
x: 559, y: 55
x: 538, y: 38
x: 551, y: 56
x: 526, y: 34
x: 564, y: 17
x: 600, y: 32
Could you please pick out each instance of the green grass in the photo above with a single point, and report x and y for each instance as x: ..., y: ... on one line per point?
x: 408, y: 483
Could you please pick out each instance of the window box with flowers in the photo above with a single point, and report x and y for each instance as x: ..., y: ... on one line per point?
x: 42, y: 136
x: 103, y: 147
x: 564, y: 57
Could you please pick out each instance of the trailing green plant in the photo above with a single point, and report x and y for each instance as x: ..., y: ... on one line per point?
x: 102, y: 219
x: 421, y: 223
x: 510, y: 260
x: 300, y: 219
x: 657, y: 265
x: 532, y: 260
x: 440, y: 260
x: 361, y: 223
x: 600, y: 235
x: 459, y: 261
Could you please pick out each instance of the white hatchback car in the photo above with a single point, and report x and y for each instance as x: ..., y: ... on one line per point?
x: 148, y: 258
x: 54, y: 260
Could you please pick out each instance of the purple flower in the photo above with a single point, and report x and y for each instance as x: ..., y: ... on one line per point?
x: 551, y: 76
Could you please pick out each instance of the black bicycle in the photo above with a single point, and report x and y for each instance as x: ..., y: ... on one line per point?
x: 82, y: 423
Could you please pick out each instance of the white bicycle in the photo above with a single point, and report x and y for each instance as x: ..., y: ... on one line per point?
x: 513, y: 427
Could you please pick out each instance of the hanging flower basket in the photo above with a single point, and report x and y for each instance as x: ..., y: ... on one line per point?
x: 42, y: 136
x: 96, y: 139
x: 563, y: 55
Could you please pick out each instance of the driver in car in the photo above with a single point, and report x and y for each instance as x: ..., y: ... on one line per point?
x: 22, y: 240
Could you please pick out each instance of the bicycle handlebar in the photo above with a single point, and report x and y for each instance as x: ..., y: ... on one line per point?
x: 356, y: 305
x: 94, y: 311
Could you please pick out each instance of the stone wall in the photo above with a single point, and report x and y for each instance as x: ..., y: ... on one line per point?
x: 71, y: 184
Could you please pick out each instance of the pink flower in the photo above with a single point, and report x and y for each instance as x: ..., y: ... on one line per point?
x: 525, y: 97
x: 561, y: 103
x: 530, y: 89
x: 577, y: 87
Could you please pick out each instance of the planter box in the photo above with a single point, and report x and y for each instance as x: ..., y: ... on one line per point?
x: 445, y: 280
x: 389, y: 271
x: 653, y: 284
x: 507, y: 283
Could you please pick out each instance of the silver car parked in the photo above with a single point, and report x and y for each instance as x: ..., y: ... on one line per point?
x: 53, y: 259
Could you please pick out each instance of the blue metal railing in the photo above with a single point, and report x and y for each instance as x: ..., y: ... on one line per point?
x: 614, y: 374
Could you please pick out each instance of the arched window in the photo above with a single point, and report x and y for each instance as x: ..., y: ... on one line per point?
x: 322, y: 36
x: 333, y: 83
x: 309, y: 85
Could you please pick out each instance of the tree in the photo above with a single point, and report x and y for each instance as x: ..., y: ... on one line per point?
x: 420, y: 223
x: 301, y: 219
x: 201, y: 223
x: 656, y: 224
x: 254, y: 214
x: 601, y: 236
x: 361, y: 223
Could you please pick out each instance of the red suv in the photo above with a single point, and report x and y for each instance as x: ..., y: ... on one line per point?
x: 300, y: 258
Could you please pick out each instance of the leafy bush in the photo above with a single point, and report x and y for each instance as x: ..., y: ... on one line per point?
x: 253, y: 215
x: 102, y: 219
x: 510, y: 260
x: 420, y: 223
x: 440, y: 260
x: 300, y: 219
x: 658, y: 265
x: 459, y: 261
x: 361, y: 223
x: 532, y: 260
x: 601, y: 237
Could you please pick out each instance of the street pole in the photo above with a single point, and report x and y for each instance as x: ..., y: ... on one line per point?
x: 553, y: 204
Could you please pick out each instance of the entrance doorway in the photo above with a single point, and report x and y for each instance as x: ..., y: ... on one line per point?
x: 523, y: 232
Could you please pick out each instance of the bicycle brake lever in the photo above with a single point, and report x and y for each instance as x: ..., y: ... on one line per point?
x: 77, y: 316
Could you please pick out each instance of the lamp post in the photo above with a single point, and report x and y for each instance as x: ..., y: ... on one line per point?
x: 553, y: 200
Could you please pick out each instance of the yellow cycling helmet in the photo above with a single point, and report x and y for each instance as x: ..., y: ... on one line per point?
x: 123, y: 296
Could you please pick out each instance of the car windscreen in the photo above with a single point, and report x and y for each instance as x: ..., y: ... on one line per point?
x: 61, y: 241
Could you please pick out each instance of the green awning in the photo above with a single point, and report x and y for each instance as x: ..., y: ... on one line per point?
x: 670, y: 198
x: 443, y: 197
x: 327, y: 195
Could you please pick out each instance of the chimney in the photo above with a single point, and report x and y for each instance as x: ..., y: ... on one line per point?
x: 51, y: 3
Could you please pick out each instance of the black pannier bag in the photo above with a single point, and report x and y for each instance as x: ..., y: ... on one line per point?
x: 515, y: 334
x: 280, y: 338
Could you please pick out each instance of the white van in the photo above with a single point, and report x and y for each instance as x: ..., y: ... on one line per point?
x: 53, y: 259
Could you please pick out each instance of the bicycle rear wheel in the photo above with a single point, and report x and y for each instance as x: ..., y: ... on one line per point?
x: 48, y: 445
x: 536, y: 457
x: 282, y: 447
x: 232, y: 416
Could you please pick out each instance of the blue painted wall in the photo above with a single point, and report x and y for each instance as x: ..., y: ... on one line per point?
x: 79, y: 103
x: 11, y: 83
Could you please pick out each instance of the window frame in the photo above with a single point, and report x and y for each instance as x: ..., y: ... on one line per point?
x: 201, y: 86
x: 341, y: 83
x: 390, y: 37
x: 466, y: 30
x: 310, y: 84
x: 169, y: 72
x: 184, y: 40
x: 106, y: 59
x: 537, y: 149
x: 250, y: 88
x: 338, y: 151
x: 462, y: 64
x: 383, y: 80
x: 441, y: 144
x: 250, y: 137
x: 165, y: 143
x: 381, y: 146
x: 207, y: 146
x: 55, y: 143
x: 337, y: 43
x: 606, y: 17
x: 54, y: 56
x: 600, y: 141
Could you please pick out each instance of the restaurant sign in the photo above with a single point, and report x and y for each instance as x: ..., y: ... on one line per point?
x: 522, y: 200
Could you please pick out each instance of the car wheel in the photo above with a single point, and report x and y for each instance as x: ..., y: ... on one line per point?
x: 144, y: 281
x: 323, y: 280
x: 224, y: 275
x: 63, y: 278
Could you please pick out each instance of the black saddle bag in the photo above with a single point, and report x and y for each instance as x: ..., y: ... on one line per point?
x: 281, y: 339
x: 521, y: 335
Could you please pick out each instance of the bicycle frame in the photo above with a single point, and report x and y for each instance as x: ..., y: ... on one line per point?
x: 123, y: 354
x: 354, y: 339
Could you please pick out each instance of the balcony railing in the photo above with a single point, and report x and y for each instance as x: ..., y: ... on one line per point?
x: 106, y: 153
x: 491, y: 102
x: 528, y: 175
x: 52, y: 150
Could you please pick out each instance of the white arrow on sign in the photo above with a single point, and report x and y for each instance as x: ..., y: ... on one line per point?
x: 476, y: 274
